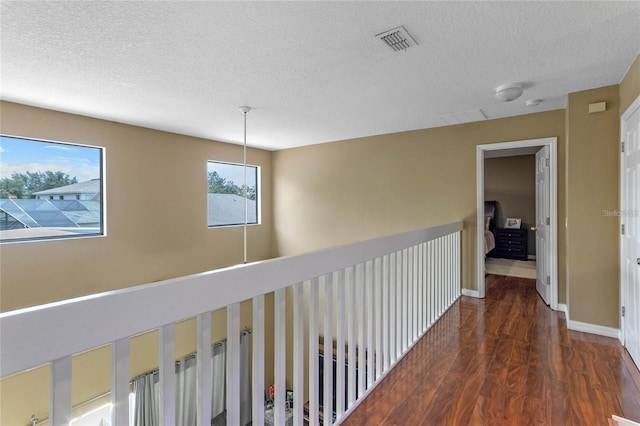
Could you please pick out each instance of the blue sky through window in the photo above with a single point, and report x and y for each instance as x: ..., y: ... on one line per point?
x: 24, y: 155
x: 233, y: 172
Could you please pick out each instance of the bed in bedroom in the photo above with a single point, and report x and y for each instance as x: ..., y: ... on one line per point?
x: 490, y: 208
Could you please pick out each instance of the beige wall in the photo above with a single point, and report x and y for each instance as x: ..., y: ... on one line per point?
x: 511, y: 181
x: 156, y: 229
x: 593, y: 186
x: 630, y: 86
x: 325, y: 195
x: 346, y: 191
x: 156, y: 212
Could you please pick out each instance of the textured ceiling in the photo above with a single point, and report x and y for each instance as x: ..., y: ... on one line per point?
x: 313, y: 71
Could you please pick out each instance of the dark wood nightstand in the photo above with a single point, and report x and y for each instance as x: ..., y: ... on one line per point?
x: 511, y: 243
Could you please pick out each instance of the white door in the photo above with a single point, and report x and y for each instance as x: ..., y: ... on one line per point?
x: 630, y: 240
x: 543, y: 214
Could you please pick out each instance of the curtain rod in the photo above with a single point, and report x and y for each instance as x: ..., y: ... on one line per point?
x: 244, y: 331
x: 34, y: 421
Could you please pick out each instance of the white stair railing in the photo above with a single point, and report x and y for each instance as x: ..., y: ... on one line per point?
x: 373, y: 300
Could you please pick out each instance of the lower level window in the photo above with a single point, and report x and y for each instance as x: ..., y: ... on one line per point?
x: 233, y: 194
x: 49, y: 190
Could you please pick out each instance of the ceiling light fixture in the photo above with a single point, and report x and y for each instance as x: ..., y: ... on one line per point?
x: 533, y: 102
x: 508, y: 92
x: 245, y: 110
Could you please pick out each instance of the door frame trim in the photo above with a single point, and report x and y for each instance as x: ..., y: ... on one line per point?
x: 552, y: 143
x: 623, y: 288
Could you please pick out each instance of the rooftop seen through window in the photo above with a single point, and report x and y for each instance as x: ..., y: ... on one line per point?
x: 49, y: 190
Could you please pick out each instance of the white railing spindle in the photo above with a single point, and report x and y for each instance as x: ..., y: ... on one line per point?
x: 362, y: 347
x: 386, y: 319
x: 423, y: 299
x: 352, y: 304
x: 445, y: 273
x: 280, y: 354
x: 449, y: 272
x: 203, y: 367
x: 393, y: 354
x: 405, y: 314
x: 436, y: 296
x: 409, y: 316
x: 313, y: 351
x: 399, y: 305
x: 339, y: 286
x: 443, y: 260
x: 419, y: 327
x: 257, y: 361
x: 167, y: 339
x: 438, y: 281
x: 233, y: 364
x: 454, y: 293
x: 120, y: 377
x: 327, y: 383
x: 457, y: 265
x: 445, y: 301
x: 369, y: 306
x: 377, y: 274
x: 60, y: 392
x: 414, y: 296
x: 425, y: 295
x: 298, y: 354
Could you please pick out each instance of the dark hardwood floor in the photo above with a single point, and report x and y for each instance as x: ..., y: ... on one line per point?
x: 507, y: 359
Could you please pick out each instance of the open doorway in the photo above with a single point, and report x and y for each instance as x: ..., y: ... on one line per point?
x: 510, y: 215
x: 545, y: 226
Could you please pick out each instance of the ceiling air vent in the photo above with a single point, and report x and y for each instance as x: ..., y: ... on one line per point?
x: 464, y: 117
x: 397, y: 39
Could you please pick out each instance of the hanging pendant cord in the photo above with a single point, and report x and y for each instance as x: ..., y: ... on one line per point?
x: 245, y: 110
x: 244, y: 187
x: 244, y: 190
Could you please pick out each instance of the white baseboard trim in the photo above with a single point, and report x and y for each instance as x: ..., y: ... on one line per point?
x: 563, y: 308
x: 470, y: 293
x: 624, y: 422
x: 593, y: 328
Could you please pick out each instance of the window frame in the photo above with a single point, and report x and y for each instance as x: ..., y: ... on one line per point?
x: 102, y: 232
x: 258, y: 194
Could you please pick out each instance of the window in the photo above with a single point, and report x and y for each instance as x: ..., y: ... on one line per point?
x: 226, y: 194
x: 102, y: 415
x: 49, y: 190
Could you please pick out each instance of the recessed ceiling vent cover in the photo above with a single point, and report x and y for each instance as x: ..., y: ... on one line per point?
x: 397, y: 39
x: 464, y: 117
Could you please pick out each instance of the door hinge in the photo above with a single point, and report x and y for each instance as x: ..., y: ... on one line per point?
x: 622, y: 146
x: 548, y: 221
x: 622, y: 228
x: 623, y: 311
x: 547, y: 162
x: 548, y: 280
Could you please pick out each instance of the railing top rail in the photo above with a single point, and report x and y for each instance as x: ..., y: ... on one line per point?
x: 34, y: 336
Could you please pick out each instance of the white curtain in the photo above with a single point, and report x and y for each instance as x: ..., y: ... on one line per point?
x: 219, y: 369
x: 147, y: 400
x: 186, y: 392
x: 219, y: 372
